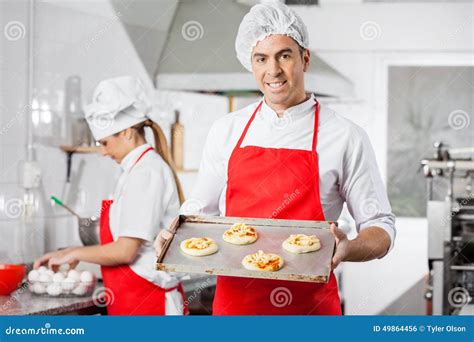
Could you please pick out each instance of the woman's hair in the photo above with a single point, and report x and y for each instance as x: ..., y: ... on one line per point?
x: 161, y: 147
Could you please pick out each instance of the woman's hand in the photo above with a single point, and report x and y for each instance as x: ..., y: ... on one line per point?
x: 161, y: 239
x: 58, y: 258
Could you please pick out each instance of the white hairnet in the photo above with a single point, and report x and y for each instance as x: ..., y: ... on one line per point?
x: 266, y: 19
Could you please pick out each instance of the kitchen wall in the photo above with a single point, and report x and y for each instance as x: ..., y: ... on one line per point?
x: 91, y: 42
x: 69, y: 38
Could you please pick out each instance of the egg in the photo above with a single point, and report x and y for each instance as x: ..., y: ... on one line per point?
x: 54, y: 289
x: 50, y: 272
x: 42, y: 269
x: 87, y: 277
x: 58, y: 277
x: 80, y: 290
x: 68, y: 284
x: 33, y: 276
x: 44, y: 278
x: 31, y: 287
x: 73, y: 274
x: 39, y: 288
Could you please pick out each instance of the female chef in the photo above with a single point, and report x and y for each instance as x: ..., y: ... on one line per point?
x: 288, y: 157
x: 146, y: 198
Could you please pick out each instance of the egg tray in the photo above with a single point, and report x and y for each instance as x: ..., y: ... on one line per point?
x: 307, y: 267
x: 89, y: 291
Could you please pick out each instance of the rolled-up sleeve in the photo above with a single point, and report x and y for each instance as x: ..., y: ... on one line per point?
x: 363, y: 189
x: 211, y: 180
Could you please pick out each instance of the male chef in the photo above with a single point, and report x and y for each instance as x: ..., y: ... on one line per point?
x: 288, y: 157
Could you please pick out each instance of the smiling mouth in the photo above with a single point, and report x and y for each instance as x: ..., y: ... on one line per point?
x: 276, y: 85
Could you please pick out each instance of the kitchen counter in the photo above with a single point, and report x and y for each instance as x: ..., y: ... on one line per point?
x: 23, y: 302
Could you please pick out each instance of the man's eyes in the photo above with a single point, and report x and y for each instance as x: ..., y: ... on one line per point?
x: 283, y: 57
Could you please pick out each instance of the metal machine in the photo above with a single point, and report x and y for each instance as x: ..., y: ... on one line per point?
x: 450, y: 213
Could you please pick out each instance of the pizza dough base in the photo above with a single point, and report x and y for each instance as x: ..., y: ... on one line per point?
x: 199, y: 252
x: 239, y: 240
x: 300, y: 249
x: 252, y: 267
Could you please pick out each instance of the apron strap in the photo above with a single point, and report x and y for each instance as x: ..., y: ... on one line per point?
x: 141, y: 156
x: 244, y: 133
x: 316, y: 123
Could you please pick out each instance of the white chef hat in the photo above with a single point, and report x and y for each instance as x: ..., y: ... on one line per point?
x: 263, y: 20
x: 118, y: 103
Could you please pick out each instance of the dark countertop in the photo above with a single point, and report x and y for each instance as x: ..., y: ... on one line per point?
x: 23, y: 302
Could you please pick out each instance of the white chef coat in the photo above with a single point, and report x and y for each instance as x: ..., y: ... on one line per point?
x: 348, y: 170
x: 146, y: 201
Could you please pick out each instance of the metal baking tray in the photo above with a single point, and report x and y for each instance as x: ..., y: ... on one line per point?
x: 307, y: 267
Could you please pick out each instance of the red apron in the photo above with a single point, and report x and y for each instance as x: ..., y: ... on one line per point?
x: 130, y: 294
x: 275, y: 183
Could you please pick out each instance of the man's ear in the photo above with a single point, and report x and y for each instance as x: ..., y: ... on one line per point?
x: 306, y: 58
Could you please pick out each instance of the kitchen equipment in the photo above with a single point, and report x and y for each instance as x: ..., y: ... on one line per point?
x: 177, y: 141
x: 11, y: 276
x: 77, y: 131
x: 57, y: 201
x: 450, y: 229
x: 89, y: 230
x: 88, y: 226
x: 308, y: 267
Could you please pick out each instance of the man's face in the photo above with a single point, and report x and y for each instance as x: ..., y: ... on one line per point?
x: 278, y: 68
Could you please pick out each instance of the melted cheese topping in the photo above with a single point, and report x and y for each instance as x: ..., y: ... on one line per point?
x: 262, y: 259
x: 198, y: 243
x: 302, y: 239
x: 241, y: 230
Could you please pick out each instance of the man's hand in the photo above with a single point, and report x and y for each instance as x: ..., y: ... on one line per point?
x: 161, y: 239
x: 342, y: 246
x: 371, y: 243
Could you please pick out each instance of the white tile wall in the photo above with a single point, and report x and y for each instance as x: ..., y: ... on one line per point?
x: 67, y: 42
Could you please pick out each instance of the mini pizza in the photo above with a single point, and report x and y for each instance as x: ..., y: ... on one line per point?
x: 301, y: 243
x: 261, y: 261
x: 199, y: 246
x: 240, y: 234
